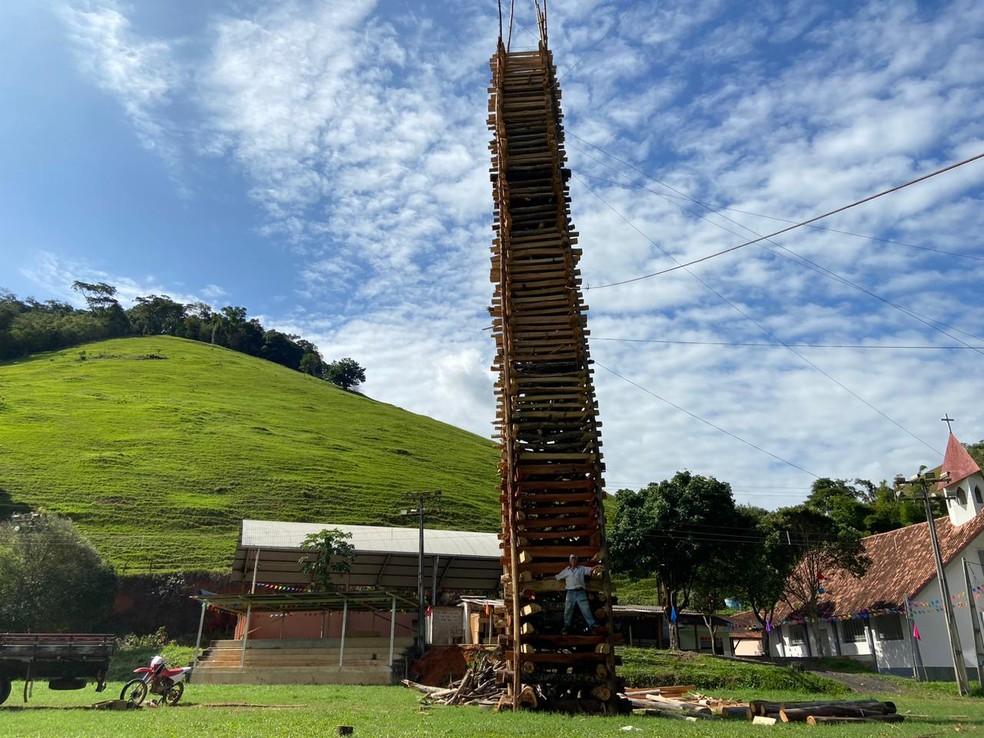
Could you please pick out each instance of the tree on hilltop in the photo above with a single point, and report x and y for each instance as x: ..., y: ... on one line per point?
x: 345, y: 373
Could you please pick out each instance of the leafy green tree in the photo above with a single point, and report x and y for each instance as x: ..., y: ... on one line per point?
x: 101, y: 299
x: 842, y: 501
x: 738, y: 570
x: 98, y: 295
x: 345, y: 373
x: 766, y: 563
x: 281, y: 348
x: 312, y: 363
x: 672, y: 529
x: 822, y: 546
x: 157, y: 315
x: 51, y: 577
x: 329, y: 552
x: 232, y: 330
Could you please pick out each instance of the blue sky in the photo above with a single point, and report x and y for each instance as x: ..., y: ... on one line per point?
x: 325, y: 165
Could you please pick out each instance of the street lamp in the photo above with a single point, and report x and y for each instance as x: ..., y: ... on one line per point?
x: 421, y: 500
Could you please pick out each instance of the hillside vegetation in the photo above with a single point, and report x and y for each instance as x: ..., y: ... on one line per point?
x: 157, y: 447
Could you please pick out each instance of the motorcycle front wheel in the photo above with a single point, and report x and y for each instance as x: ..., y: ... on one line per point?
x: 174, y: 694
x: 134, y: 692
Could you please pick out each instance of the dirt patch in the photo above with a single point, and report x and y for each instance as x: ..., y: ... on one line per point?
x: 439, y: 666
x: 863, y: 683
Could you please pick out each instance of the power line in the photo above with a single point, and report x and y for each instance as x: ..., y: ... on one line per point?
x: 775, y: 338
x: 793, y: 256
x: 788, y: 345
x: 674, y: 197
x: 799, y: 224
x: 706, y: 422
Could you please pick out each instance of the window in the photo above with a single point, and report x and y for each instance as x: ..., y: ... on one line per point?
x: 977, y: 495
x: 854, y: 631
x: 888, y: 628
x: 962, y: 496
x: 797, y: 635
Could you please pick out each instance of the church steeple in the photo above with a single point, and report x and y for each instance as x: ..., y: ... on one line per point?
x: 964, y: 489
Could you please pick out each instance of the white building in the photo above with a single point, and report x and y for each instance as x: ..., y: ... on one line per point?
x: 893, y: 616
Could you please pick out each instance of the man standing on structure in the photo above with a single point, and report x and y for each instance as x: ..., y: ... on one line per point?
x: 573, y: 577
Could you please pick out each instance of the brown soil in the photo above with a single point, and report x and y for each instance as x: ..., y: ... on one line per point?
x: 439, y: 666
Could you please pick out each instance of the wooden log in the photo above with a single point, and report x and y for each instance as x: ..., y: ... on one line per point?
x: 734, y: 712
x: 893, y: 717
x: 800, y: 714
x: 763, y: 707
x: 664, y: 703
x: 676, y: 690
x: 763, y: 720
x: 602, y: 692
x: 527, y: 698
x: 653, y: 712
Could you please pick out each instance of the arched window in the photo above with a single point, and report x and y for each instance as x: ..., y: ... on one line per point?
x: 977, y: 495
x: 962, y: 496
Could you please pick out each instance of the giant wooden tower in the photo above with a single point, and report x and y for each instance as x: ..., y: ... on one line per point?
x: 551, y: 466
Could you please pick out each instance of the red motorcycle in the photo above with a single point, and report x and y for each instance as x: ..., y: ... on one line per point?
x: 157, y: 679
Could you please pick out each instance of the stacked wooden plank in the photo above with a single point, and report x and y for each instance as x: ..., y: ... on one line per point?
x: 547, y: 417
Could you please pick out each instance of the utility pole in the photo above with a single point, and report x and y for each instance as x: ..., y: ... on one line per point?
x: 922, y: 481
x: 417, y: 504
x: 975, y: 621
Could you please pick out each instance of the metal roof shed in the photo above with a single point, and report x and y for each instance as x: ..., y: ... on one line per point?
x: 385, y: 558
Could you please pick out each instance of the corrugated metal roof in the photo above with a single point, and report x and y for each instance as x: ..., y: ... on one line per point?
x: 269, y: 553
x: 375, y: 538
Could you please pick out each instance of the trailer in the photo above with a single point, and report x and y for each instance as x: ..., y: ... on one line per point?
x: 65, y: 660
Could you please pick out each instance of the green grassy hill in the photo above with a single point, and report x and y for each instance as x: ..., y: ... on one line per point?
x: 158, y: 447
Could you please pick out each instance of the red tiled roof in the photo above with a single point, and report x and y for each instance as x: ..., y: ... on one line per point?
x: 957, y: 462
x: 901, y: 564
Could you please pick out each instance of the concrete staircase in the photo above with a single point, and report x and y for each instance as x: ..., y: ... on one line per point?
x: 303, y: 661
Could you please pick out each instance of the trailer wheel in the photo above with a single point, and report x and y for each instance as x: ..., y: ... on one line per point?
x: 4, y: 690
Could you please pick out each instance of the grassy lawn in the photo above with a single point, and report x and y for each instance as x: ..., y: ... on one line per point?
x: 220, y: 711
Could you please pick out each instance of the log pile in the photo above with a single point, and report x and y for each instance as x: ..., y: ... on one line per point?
x: 481, y: 685
x: 484, y: 685
x: 682, y: 702
x: 825, y: 711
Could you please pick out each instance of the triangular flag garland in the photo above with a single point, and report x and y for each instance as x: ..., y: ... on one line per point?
x: 915, y: 632
x: 281, y: 587
x: 673, y: 614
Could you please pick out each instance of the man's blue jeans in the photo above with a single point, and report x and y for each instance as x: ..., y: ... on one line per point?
x: 580, y: 597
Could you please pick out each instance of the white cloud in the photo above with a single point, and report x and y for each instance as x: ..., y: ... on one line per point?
x: 141, y: 74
